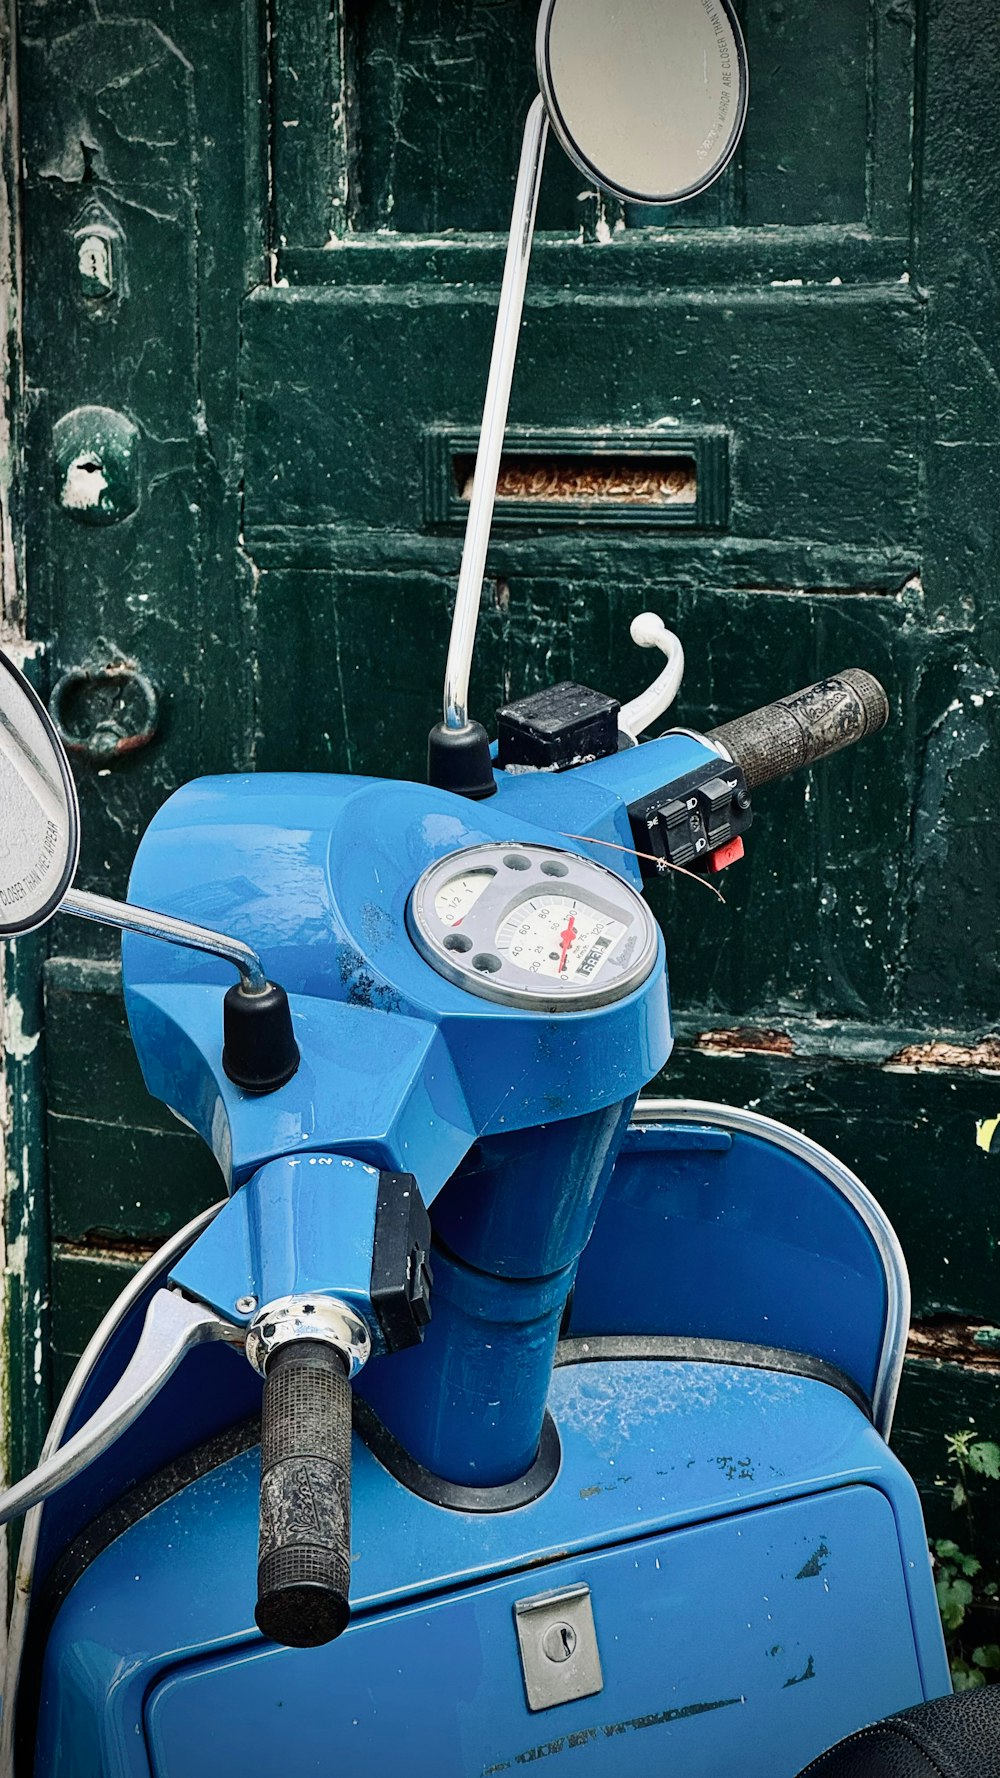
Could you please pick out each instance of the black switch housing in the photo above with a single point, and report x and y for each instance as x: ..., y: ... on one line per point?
x: 685, y: 822
x: 401, y: 1274
x: 563, y: 726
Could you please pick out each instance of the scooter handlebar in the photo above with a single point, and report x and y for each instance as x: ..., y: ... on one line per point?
x: 806, y: 726
x: 304, y: 1558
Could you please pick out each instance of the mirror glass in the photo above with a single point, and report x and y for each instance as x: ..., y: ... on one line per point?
x: 648, y: 97
x: 39, y: 816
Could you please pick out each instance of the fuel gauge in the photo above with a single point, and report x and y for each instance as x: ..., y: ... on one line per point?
x: 454, y: 899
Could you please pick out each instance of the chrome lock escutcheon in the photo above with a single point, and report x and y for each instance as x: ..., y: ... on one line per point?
x: 560, y: 1659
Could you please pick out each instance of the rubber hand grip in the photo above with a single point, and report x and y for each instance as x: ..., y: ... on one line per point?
x: 807, y: 726
x: 304, y: 1559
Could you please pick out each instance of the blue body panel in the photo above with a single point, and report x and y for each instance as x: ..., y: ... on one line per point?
x: 725, y: 1235
x: 302, y: 1226
x: 694, y: 1687
x: 316, y: 873
x: 382, y: 1089
x: 741, y: 1636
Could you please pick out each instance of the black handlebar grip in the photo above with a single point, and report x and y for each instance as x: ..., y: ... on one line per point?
x: 807, y: 726
x: 304, y: 1559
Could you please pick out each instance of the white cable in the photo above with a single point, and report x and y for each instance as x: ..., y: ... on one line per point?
x: 135, y: 1289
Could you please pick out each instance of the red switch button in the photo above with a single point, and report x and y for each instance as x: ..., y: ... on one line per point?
x: 726, y: 854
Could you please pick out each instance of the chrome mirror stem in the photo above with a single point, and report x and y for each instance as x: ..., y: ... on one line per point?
x: 484, y: 488
x: 105, y: 912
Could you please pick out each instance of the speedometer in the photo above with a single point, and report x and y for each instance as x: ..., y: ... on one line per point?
x: 533, y: 926
x: 558, y: 935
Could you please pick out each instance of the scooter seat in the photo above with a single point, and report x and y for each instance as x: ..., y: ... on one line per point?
x: 957, y: 1737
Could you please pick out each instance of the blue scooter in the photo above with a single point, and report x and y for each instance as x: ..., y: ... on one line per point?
x: 550, y: 1419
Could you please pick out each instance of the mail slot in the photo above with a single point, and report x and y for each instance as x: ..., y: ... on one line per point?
x: 630, y: 478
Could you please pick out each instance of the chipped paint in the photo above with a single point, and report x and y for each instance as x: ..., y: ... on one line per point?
x: 116, y: 1250
x: 798, y: 1678
x: 984, y: 1055
x: 986, y: 1129
x: 742, y: 1040
x: 19, y: 1044
x: 955, y: 1340
x: 14, y: 1259
x: 815, y: 1564
x: 84, y: 483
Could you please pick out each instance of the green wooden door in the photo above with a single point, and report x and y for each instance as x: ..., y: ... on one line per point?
x: 272, y: 242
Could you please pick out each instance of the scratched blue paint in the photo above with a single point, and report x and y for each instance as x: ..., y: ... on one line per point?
x: 690, y: 1498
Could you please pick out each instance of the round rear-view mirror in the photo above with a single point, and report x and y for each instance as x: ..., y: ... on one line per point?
x: 39, y: 814
x: 648, y: 97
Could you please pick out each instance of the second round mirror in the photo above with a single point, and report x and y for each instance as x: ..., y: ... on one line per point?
x: 39, y: 820
x: 648, y: 97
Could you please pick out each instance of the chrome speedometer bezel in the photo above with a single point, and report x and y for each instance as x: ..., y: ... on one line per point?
x: 578, y: 876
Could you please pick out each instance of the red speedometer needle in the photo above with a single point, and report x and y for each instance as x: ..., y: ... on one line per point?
x: 566, y: 939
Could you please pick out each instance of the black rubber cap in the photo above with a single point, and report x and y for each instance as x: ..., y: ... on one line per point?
x: 458, y: 759
x: 303, y: 1616
x: 260, y: 1052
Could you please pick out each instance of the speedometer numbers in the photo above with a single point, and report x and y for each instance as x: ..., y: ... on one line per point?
x: 558, y: 935
x: 532, y: 926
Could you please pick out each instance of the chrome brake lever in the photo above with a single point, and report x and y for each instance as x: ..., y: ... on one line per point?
x: 173, y: 1325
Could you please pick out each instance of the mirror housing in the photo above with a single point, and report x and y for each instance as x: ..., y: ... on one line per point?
x: 648, y: 99
x: 39, y: 813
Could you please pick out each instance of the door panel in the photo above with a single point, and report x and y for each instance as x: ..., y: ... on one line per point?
x: 144, y: 223
x: 344, y: 384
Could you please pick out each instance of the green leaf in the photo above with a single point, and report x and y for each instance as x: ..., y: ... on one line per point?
x: 954, y: 1559
x: 958, y: 1496
x: 953, y: 1597
x: 984, y: 1458
x: 988, y: 1656
x: 967, y: 1679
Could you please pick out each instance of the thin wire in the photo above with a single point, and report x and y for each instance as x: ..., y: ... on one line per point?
x: 661, y: 864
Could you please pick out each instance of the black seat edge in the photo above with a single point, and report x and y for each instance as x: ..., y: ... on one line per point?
x: 953, y: 1737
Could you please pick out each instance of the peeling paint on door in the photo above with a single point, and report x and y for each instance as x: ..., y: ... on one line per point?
x: 986, y: 1129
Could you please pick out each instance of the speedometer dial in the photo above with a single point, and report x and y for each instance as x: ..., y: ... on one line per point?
x: 558, y: 935
x: 533, y: 926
